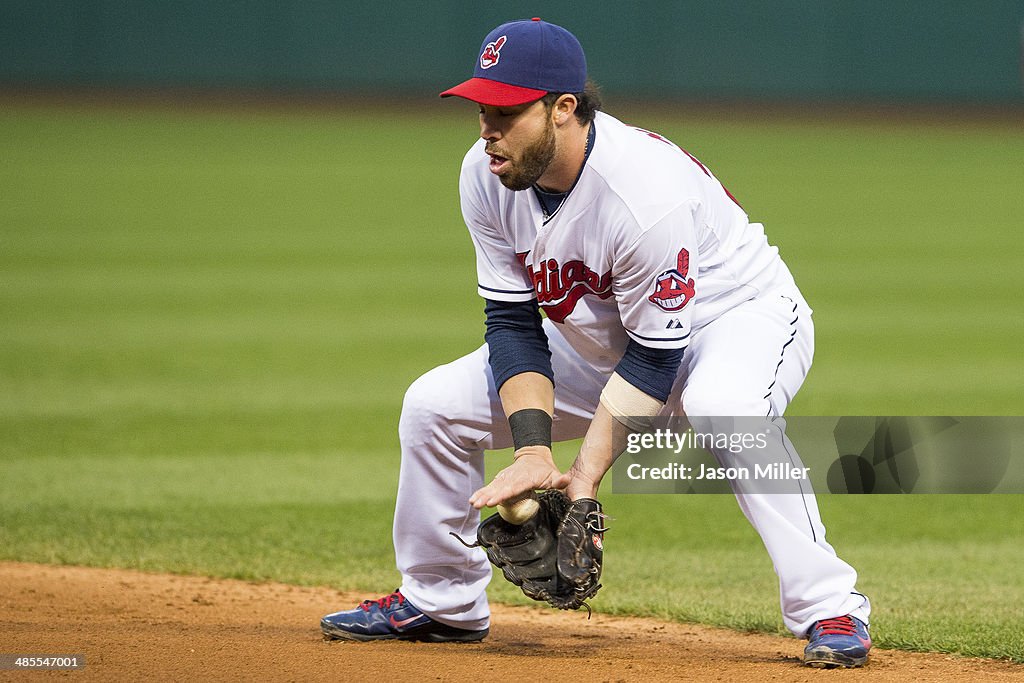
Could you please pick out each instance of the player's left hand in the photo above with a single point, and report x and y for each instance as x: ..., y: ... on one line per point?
x: 534, y: 468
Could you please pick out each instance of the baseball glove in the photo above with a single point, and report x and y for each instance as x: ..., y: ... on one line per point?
x: 556, y: 555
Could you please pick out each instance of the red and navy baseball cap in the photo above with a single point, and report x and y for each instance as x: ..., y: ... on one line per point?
x: 522, y: 61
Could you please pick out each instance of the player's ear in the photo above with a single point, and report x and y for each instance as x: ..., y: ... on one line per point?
x: 565, y: 108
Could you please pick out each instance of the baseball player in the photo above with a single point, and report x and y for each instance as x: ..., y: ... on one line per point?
x: 661, y: 298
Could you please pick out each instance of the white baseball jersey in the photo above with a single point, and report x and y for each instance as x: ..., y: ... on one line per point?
x: 647, y: 244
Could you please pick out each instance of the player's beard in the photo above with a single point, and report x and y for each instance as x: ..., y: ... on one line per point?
x: 532, y: 162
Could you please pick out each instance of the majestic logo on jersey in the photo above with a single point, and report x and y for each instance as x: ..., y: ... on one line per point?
x: 492, y: 53
x: 559, y: 288
x: 672, y: 289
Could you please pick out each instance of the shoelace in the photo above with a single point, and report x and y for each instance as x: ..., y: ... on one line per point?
x: 839, y: 626
x: 384, y: 602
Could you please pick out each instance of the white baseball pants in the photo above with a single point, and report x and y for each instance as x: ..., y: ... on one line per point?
x: 748, y: 362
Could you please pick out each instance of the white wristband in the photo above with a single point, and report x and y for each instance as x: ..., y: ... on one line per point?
x: 629, y: 405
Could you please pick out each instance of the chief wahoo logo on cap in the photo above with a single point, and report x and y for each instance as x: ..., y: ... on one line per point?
x: 492, y: 53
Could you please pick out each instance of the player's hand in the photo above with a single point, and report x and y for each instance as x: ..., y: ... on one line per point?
x: 534, y: 468
x: 581, y: 484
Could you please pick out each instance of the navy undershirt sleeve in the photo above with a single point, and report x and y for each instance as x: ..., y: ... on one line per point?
x: 516, y: 340
x: 652, y: 371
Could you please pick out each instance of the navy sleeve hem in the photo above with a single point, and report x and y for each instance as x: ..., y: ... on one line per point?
x: 652, y: 371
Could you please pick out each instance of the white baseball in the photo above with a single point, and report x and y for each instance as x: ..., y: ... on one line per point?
x: 518, y: 511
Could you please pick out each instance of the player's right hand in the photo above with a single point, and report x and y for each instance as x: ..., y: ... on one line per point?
x: 534, y: 468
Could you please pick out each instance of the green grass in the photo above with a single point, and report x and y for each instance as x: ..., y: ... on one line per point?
x: 208, y: 320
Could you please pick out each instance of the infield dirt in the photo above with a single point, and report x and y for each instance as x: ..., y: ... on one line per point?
x: 136, y: 626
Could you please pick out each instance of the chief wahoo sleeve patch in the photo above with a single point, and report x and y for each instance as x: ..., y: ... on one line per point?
x: 673, y: 289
